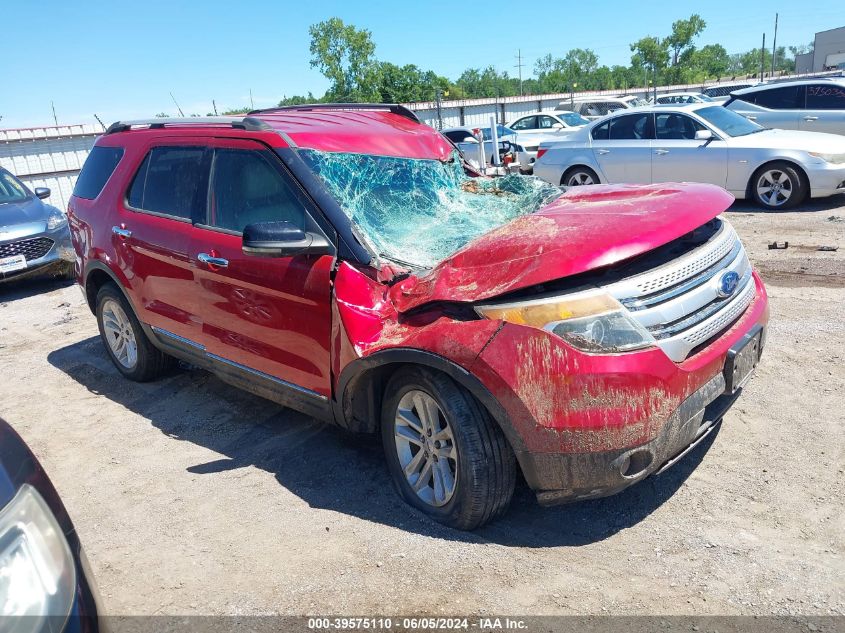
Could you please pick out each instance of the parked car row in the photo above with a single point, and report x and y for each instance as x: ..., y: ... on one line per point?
x: 699, y: 143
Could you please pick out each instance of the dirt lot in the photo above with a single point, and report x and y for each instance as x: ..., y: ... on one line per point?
x: 193, y: 497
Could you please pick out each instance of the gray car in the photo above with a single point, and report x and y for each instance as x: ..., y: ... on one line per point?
x: 34, y: 236
x: 699, y: 143
x: 814, y: 105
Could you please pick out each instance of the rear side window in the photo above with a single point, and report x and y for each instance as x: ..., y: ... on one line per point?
x: 826, y: 97
x: 172, y: 181
x: 98, y: 168
x: 785, y: 98
x: 630, y: 127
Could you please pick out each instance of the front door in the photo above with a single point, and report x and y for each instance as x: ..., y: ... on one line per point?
x: 678, y: 157
x: 621, y: 146
x: 261, y: 314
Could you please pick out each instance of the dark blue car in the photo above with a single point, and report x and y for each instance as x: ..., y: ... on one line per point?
x: 34, y: 236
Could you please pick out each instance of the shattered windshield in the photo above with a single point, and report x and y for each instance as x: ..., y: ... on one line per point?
x: 419, y: 211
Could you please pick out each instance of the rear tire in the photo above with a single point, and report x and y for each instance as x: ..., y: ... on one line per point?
x: 461, y: 469
x: 124, y: 339
x: 578, y: 177
x: 778, y: 186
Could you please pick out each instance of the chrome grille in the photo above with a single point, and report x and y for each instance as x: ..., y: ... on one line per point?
x: 34, y: 248
x: 680, y: 303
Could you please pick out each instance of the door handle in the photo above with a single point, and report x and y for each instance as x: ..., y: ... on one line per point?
x: 661, y: 152
x: 217, y: 262
x: 121, y: 232
x: 602, y: 152
x: 811, y: 118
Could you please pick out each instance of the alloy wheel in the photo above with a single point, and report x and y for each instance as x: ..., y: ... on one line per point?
x: 580, y: 178
x: 426, y: 448
x: 774, y: 187
x: 119, y: 334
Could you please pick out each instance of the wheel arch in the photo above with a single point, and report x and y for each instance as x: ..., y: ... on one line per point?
x: 749, y: 186
x: 96, y: 275
x: 580, y: 165
x: 360, y: 390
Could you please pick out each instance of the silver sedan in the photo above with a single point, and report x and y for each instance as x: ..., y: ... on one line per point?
x: 699, y: 143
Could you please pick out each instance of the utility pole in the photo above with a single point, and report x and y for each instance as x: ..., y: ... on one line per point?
x: 519, y: 66
x: 55, y: 119
x: 214, y: 104
x: 251, y: 104
x: 439, y: 112
x: 774, y: 45
x: 763, y: 58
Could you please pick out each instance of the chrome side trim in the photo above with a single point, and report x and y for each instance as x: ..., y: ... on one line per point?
x: 261, y: 374
x: 176, y: 337
x: 239, y: 366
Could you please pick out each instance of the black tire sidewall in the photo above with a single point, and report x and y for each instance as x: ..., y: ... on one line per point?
x: 138, y: 372
x: 459, y: 414
x: 799, y: 189
x: 574, y: 170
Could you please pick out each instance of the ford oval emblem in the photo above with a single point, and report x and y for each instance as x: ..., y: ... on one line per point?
x: 727, y: 284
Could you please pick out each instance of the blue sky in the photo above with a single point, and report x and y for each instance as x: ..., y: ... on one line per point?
x: 122, y: 59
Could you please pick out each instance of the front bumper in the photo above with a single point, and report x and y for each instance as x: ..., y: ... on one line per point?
x: 589, y: 425
x: 826, y: 179
x: 58, y: 258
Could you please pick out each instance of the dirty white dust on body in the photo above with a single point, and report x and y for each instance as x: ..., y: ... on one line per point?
x: 193, y: 497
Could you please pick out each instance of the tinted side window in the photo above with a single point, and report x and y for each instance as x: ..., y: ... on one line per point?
x: 98, y: 168
x: 630, y: 127
x: 247, y: 187
x: 826, y: 97
x: 172, y: 181
x: 601, y: 132
x: 785, y: 98
x: 676, y: 126
x: 528, y: 123
x: 547, y: 122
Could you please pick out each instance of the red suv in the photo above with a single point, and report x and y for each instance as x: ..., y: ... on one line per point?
x: 344, y: 261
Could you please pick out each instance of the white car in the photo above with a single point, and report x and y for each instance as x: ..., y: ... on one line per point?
x: 682, y: 97
x: 524, y: 146
x: 593, y: 108
x: 701, y: 142
x: 556, y: 121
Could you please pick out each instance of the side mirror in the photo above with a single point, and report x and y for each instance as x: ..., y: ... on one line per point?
x: 703, y: 135
x: 42, y: 192
x: 282, y: 239
x: 557, y: 126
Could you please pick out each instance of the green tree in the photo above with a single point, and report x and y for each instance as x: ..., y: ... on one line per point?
x: 683, y: 33
x: 345, y: 55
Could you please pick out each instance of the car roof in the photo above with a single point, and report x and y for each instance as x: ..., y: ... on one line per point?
x: 378, y: 129
x: 794, y: 82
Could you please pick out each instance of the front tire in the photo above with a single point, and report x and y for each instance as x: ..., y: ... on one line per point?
x: 579, y: 177
x: 778, y: 186
x: 445, y: 454
x: 124, y: 339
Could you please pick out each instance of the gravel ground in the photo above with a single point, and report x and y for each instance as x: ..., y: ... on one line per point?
x: 192, y: 497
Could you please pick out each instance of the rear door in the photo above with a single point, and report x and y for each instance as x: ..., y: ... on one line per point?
x: 678, y: 157
x: 825, y: 110
x: 153, y: 234
x: 622, y: 148
x: 780, y: 107
x: 261, y: 314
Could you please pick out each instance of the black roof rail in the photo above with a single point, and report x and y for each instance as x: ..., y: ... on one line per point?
x: 248, y: 123
x: 395, y: 108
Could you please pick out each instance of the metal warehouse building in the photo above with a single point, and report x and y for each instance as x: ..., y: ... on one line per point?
x: 828, y: 52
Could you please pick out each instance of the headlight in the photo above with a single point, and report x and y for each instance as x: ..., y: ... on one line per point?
x: 56, y: 219
x: 37, y: 576
x: 834, y: 159
x: 591, y: 321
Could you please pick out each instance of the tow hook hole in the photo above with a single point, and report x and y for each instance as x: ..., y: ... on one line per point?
x: 635, y: 463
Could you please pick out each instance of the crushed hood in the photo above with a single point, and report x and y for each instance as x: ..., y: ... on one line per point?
x: 585, y: 229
